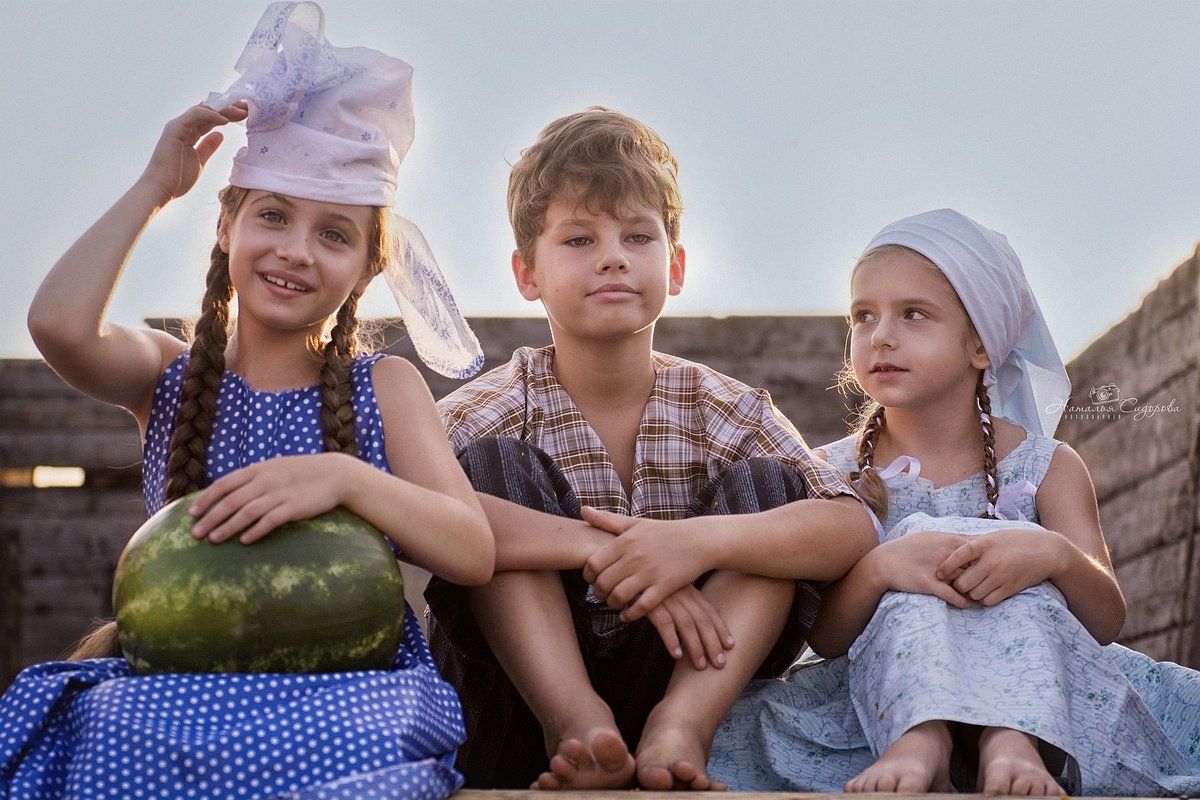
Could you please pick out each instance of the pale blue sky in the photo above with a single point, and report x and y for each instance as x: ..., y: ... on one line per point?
x: 801, y: 129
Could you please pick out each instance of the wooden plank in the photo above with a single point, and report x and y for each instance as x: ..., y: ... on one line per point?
x: 1152, y: 587
x: 1150, y: 513
x: 639, y: 794
x: 96, y: 449
x: 1129, y: 449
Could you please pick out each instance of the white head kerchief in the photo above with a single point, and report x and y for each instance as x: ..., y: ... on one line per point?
x: 333, y: 124
x: 1026, y: 381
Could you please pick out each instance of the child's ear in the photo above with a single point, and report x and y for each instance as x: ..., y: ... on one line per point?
x: 979, y: 357
x: 223, y: 235
x: 525, y: 276
x: 676, y: 270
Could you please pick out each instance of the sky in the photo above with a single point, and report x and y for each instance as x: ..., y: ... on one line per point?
x: 801, y: 129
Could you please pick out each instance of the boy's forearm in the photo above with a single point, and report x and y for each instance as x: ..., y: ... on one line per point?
x: 807, y: 539
x: 528, y: 540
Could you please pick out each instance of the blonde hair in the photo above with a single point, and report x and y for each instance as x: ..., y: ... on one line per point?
x: 607, y: 158
x: 210, y: 335
x: 871, y: 421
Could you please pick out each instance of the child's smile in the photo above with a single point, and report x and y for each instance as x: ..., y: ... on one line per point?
x: 294, y: 262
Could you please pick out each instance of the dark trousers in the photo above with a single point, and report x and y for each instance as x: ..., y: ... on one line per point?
x: 628, y: 665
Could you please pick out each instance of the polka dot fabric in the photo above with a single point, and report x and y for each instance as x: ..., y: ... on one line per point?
x: 93, y: 729
x: 253, y: 426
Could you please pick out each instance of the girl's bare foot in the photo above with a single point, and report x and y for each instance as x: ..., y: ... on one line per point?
x: 917, y: 762
x: 1009, y: 764
x: 673, y: 756
x: 599, y: 759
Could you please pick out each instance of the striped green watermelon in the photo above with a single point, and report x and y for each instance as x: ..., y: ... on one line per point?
x: 321, y: 595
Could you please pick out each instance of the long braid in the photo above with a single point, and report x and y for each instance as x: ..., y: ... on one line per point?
x: 337, y: 393
x: 206, y: 366
x: 201, y: 384
x: 989, y: 449
x: 346, y: 342
x: 870, y: 486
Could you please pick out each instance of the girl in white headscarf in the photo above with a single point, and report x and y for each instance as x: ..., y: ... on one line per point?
x: 974, y: 631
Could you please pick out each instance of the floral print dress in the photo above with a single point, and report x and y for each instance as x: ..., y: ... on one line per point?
x: 1129, y: 725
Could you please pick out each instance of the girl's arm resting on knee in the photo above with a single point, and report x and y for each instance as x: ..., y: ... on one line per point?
x: 906, y: 564
x: 109, y: 362
x: 1070, y: 552
x: 1066, y: 502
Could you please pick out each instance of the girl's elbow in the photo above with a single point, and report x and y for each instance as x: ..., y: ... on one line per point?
x: 482, y: 564
x: 42, y: 327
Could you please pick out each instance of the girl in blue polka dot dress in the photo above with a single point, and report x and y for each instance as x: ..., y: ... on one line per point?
x: 277, y: 414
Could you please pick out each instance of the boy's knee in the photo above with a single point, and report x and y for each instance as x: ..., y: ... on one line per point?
x: 519, y: 472
x: 752, y: 485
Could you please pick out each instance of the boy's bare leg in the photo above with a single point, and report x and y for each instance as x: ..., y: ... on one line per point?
x: 538, y: 650
x: 917, y: 762
x: 1009, y: 763
x: 677, y: 738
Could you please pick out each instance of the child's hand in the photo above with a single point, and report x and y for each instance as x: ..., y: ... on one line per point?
x: 255, y: 500
x: 647, y: 562
x: 689, y: 625
x: 913, y: 563
x: 186, y: 144
x: 995, y: 566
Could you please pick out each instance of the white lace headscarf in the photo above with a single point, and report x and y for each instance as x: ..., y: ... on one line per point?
x: 1026, y: 381
x: 333, y: 124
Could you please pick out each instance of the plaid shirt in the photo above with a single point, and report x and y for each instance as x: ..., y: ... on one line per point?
x: 697, y: 422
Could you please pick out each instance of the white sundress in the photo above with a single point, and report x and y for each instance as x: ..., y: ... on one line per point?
x: 1026, y: 664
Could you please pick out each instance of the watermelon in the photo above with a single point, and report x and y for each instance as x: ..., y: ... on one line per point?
x: 320, y: 595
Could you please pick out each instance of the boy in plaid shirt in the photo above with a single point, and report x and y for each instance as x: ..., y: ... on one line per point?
x: 646, y: 508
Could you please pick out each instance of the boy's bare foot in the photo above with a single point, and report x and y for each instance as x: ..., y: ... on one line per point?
x: 1009, y: 763
x: 599, y: 760
x: 673, y: 756
x: 917, y: 762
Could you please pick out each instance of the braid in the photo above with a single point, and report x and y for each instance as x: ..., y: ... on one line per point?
x: 346, y: 341
x: 989, y: 449
x: 337, y: 393
x: 871, y: 487
x: 201, y: 384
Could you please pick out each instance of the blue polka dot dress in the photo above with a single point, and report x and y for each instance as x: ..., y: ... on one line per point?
x: 92, y: 729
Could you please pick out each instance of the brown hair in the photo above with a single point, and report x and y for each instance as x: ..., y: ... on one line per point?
x: 871, y: 421
x: 607, y: 158
x: 210, y: 335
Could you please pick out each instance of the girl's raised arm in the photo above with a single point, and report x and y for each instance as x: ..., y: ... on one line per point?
x: 110, y: 362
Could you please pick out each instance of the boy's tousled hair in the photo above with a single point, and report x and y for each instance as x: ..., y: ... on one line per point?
x: 871, y: 421
x: 210, y: 334
x: 601, y: 158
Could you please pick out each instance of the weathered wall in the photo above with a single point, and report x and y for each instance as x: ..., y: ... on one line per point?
x: 1142, y: 451
x: 58, y: 547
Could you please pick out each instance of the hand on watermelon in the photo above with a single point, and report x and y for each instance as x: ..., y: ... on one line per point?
x: 251, y: 502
